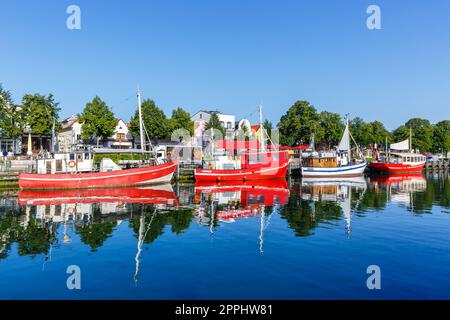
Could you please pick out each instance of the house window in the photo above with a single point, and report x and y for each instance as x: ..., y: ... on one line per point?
x: 120, y: 136
x: 228, y: 125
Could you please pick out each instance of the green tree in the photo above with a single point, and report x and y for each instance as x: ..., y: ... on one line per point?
x: 422, y: 133
x: 10, y: 124
x: 441, y: 137
x: 97, y: 120
x: 214, y: 123
x: 181, y: 120
x: 39, y: 112
x: 361, y: 131
x: 155, y: 121
x: 298, y: 123
x: 268, y: 126
x: 331, y: 128
x: 379, y: 133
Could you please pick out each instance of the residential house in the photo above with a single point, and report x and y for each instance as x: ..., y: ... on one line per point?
x: 201, y: 118
x: 122, y: 138
x: 70, y: 136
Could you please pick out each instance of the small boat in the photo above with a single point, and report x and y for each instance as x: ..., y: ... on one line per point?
x: 399, y: 159
x: 248, y: 165
x: 74, y: 170
x: 335, y: 163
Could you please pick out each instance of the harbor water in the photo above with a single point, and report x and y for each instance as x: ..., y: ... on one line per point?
x: 310, y: 239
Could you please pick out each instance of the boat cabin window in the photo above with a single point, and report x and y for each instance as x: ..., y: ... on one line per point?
x: 71, y: 156
x: 86, y: 156
x: 58, y: 165
x: 79, y: 157
x: 228, y: 166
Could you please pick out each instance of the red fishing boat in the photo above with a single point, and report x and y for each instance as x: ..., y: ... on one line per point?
x: 127, y: 177
x: 155, y: 195
x: 399, y: 159
x: 250, y: 166
x: 76, y: 170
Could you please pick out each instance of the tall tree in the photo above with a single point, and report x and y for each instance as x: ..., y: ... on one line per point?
x: 10, y: 124
x: 39, y: 112
x: 422, y: 133
x: 181, y: 120
x: 298, y: 123
x: 155, y: 121
x: 361, y: 131
x: 97, y: 120
x: 379, y: 133
x: 214, y: 123
x: 441, y: 137
x: 331, y: 128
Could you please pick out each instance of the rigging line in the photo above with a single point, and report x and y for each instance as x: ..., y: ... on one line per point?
x: 121, y: 102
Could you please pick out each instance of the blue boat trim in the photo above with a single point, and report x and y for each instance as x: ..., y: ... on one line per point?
x: 334, y: 170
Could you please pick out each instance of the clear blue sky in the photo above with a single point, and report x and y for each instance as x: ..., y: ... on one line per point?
x: 233, y: 54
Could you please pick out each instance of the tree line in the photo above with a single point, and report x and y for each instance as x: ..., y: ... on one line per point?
x: 36, y: 113
x: 296, y: 126
x: 302, y: 120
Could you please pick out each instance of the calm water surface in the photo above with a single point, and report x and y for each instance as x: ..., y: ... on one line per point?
x: 301, y: 240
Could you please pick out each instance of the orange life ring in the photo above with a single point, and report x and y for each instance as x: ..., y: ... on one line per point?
x: 71, y: 164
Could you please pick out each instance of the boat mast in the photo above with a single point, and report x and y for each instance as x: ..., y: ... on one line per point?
x: 141, y: 131
x: 261, y: 129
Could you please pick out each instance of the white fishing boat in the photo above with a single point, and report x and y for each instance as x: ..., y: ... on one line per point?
x: 335, y: 163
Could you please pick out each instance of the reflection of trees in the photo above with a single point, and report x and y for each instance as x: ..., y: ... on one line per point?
x: 36, y: 238
x: 32, y: 238
x: 95, y: 232
x: 373, y: 199
x: 179, y: 220
x: 303, y: 216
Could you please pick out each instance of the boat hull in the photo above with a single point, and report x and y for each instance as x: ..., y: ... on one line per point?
x: 346, y: 171
x: 263, y: 173
x: 396, y: 167
x: 127, y: 177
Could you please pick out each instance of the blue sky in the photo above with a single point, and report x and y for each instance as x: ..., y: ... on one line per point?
x: 232, y: 54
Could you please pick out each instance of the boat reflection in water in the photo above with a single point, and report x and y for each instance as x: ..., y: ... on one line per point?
x: 230, y: 201
x: 78, y: 210
x: 334, y: 190
x: 400, y: 188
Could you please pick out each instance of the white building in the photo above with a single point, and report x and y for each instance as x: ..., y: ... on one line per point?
x: 70, y: 136
x: 202, y: 117
x: 122, y: 138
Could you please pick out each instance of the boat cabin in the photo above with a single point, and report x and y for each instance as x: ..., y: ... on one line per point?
x: 321, y: 160
x: 66, y: 163
x: 247, y: 160
x: 406, y: 158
